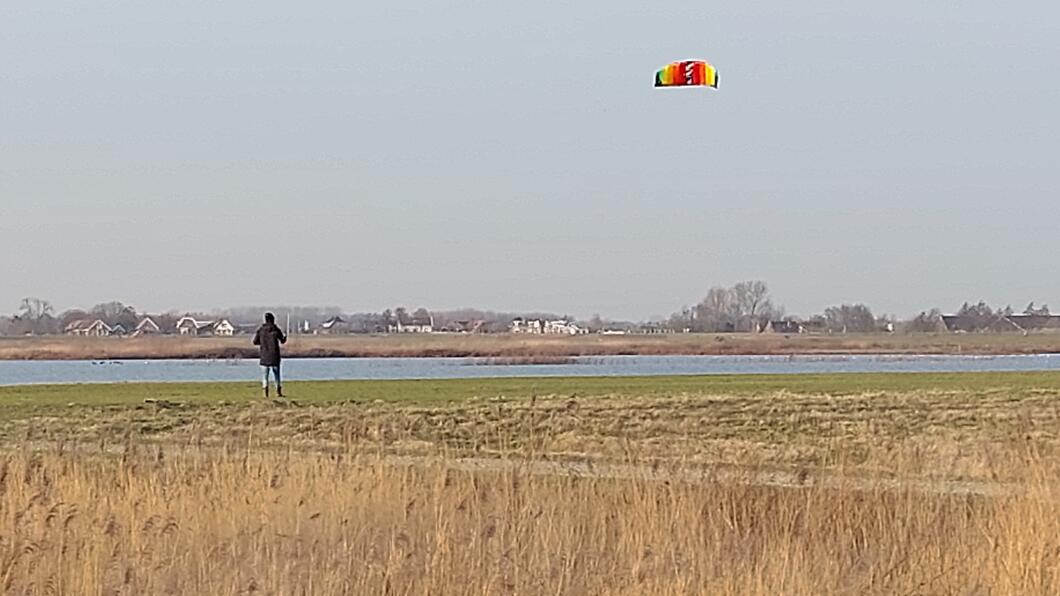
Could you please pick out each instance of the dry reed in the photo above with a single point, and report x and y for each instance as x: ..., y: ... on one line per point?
x: 251, y: 520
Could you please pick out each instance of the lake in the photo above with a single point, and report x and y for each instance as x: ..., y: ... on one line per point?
x: 18, y: 372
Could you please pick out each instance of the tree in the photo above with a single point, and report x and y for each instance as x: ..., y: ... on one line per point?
x: 850, y: 318
x: 115, y: 313
x: 980, y: 316
x: 681, y: 321
x: 716, y: 312
x: 926, y: 322
x: 35, y: 309
x: 753, y: 305
x: 744, y: 307
x: 1030, y: 310
x: 69, y: 316
x: 35, y: 317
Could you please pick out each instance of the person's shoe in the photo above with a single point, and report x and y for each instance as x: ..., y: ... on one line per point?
x: 265, y: 392
x: 279, y: 391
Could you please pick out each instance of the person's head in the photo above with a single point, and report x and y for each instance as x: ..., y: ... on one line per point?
x: 270, y: 318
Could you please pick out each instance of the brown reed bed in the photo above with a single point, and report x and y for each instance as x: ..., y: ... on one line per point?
x: 246, y: 520
x: 521, y: 346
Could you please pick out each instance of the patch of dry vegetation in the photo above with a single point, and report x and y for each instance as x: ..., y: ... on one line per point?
x: 929, y: 433
x: 844, y: 484
x: 248, y: 520
x: 504, y: 346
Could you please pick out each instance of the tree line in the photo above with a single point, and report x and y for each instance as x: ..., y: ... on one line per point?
x: 748, y: 307
x: 745, y: 307
x: 37, y: 316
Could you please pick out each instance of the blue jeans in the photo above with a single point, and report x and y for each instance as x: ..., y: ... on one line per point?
x: 275, y: 374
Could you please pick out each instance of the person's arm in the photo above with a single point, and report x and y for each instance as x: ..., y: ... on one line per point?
x: 257, y: 338
x: 283, y: 338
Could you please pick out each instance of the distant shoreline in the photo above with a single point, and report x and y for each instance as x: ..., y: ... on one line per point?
x: 504, y: 346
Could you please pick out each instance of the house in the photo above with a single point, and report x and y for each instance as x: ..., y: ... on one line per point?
x: 654, y: 329
x: 972, y: 323
x: 1036, y: 322
x: 999, y: 323
x: 118, y: 330
x: 189, y: 326
x: 406, y: 323
x: 223, y: 328
x: 88, y: 328
x: 334, y: 326
x: 563, y: 327
x: 539, y: 327
x: 146, y: 326
x: 466, y: 326
x: 787, y: 327
x: 521, y: 325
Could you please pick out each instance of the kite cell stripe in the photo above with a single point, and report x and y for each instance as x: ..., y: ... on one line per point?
x: 688, y: 73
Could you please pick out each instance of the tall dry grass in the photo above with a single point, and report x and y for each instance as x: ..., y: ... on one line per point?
x: 524, y: 346
x: 242, y: 521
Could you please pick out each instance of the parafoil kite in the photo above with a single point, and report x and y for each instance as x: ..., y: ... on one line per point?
x: 687, y: 73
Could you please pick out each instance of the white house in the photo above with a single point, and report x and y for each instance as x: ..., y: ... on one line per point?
x: 189, y: 326
x: 224, y: 328
x: 521, y: 325
x: 146, y: 326
x: 334, y: 326
x: 411, y: 324
x: 563, y: 328
x: 88, y: 328
x: 539, y: 327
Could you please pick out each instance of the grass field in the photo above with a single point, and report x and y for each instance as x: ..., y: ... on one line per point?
x: 950, y: 422
x: 528, y: 347
x: 358, y: 487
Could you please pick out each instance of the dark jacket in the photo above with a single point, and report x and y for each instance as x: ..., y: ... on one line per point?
x: 269, y: 337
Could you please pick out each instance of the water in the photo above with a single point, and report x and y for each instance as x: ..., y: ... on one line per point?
x: 58, y: 371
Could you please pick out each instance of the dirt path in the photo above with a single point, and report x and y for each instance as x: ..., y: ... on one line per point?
x: 729, y: 475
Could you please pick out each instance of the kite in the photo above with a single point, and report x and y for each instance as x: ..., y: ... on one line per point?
x: 687, y: 73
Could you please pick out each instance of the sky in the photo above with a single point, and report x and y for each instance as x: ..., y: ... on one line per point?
x: 195, y: 155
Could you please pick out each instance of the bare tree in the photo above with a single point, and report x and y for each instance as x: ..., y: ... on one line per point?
x: 35, y: 317
x: 754, y: 305
x: 1041, y: 311
x: 35, y: 309
x: 115, y: 313
x: 743, y: 307
x: 855, y: 318
x: 717, y: 311
x: 926, y: 322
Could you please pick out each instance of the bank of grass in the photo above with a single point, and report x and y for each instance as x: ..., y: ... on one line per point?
x: 434, y: 391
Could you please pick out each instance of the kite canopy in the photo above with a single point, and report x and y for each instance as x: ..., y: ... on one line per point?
x: 687, y: 73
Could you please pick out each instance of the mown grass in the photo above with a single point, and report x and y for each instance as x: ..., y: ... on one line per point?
x: 14, y: 398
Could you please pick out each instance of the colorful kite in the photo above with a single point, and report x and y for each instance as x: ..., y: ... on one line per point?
x: 688, y: 73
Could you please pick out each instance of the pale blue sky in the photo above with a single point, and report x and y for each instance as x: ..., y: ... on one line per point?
x: 514, y: 155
